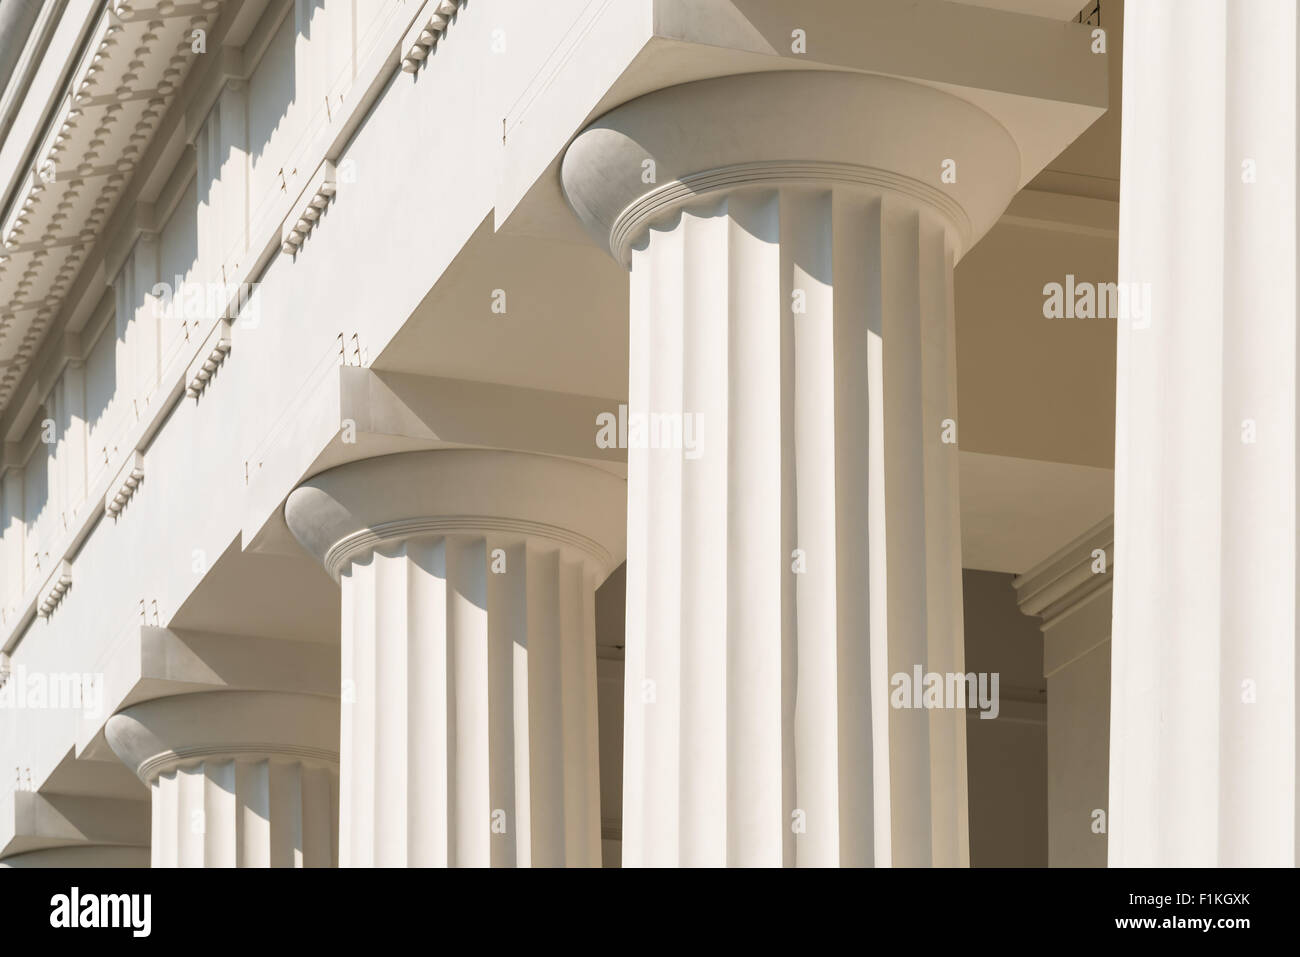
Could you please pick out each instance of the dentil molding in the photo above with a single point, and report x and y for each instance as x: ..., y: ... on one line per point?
x: 124, y: 486
x: 137, y: 56
x: 430, y: 26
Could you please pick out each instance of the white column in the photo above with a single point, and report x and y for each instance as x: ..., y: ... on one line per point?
x: 1203, y: 720
x: 237, y: 779
x: 791, y: 306
x: 469, y: 733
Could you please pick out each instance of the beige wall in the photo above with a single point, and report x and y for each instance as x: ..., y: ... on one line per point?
x: 1006, y: 756
x: 1078, y: 722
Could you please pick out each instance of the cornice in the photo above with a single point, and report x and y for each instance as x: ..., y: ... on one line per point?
x: 103, y: 122
x: 24, y: 324
x: 378, y: 64
x: 1066, y: 580
x: 1063, y: 212
x: 430, y: 25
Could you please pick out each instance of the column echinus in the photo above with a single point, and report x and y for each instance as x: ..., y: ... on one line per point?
x: 237, y: 778
x: 791, y: 239
x: 469, y: 733
x: 1203, y: 670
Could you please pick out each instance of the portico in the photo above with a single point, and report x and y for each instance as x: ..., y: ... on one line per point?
x: 617, y: 398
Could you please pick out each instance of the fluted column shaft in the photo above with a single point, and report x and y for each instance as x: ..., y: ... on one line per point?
x: 237, y: 812
x: 469, y: 733
x: 238, y: 779
x: 791, y: 307
x: 810, y: 331
x: 472, y: 739
x: 1203, y: 688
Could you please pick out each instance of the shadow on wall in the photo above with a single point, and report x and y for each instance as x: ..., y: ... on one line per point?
x: 1006, y: 756
x: 139, y: 326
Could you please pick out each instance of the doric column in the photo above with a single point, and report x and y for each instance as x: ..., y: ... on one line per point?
x: 1203, y: 715
x: 469, y: 663
x: 238, y: 778
x: 793, y: 535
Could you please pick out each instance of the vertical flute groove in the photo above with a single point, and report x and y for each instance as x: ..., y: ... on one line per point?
x: 830, y: 382
x: 237, y: 812
x: 475, y: 660
x: 1203, y: 762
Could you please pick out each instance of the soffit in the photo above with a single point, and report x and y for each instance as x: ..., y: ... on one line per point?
x: 135, y: 61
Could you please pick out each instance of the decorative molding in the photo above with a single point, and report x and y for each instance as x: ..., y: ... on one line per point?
x: 379, y: 64
x: 55, y: 587
x: 135, y: 60
x: 138, y: 436
x: 210, y: 357
x: 124, y: 486
x: 431, y: 25
x: 1063, y: 582
x: 1033, y: 208
x: 1082, y: 185
x: 306, y: 211
x: 1072, y: 595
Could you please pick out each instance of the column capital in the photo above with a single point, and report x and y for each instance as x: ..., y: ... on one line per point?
x: 347, y: 511
x: 649, y: 157
x: 158, y: 736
